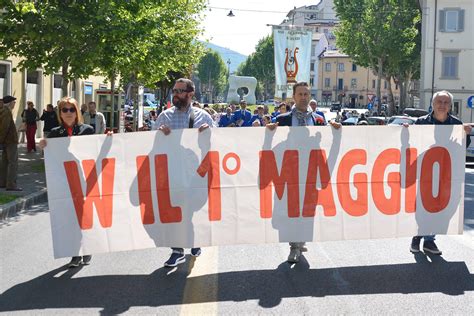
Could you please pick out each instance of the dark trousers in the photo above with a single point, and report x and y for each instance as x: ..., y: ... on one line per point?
x: 30, y: 137
x: 9, y: 166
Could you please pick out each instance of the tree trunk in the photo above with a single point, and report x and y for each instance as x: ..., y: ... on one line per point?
x: 391, y: 102
x: 65, y: 81
x: 379, y: 83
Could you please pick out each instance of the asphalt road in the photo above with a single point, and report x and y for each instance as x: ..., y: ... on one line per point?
x: 347, y: 277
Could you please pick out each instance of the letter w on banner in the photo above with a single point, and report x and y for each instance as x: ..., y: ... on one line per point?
x: 142, y: 190
x: 292, y: 59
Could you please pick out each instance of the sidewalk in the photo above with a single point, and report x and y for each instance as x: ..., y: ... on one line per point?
x: 31, y: 177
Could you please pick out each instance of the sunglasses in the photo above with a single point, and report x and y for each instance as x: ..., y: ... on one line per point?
x: 65, y: 110
x: 178, y: 91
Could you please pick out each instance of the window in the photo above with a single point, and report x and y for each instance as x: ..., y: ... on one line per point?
x: 327, y: 82
x: 311, y: 82
x: 58, y: 80
x: 340, y: 84
x: 325, y: 31
x: 5, y: 79
x: 373, y: 84
x: 456, y: 107
x: 353, y: 83
x: 313, y: 50
x: 32, y: 76
x: 340, y: 66
x: 385, y: 84
x: 396, y: 86
x: 312, y: 66
x: 327, y: 67
x: 451, y: 20
x: 354, y: 67
x: 449, y: 67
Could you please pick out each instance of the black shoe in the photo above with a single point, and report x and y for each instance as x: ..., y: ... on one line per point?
x: 15, y: 189
x: 430, y: 246
x: 195, y: 252
x: 175, y: 259
x: 75, y: 262
x: 86, y: 259
x: 415, y: 244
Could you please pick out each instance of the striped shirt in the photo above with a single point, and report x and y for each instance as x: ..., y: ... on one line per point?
x: 176, y: 119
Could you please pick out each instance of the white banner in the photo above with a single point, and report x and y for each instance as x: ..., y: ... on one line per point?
x: 251, y: 185
x: 292, y: 59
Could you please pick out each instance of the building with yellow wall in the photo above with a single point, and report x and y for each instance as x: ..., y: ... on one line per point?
x: 33, y: 85
x: 341, y: 80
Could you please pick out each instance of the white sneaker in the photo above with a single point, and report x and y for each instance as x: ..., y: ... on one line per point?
x: 294, y: 256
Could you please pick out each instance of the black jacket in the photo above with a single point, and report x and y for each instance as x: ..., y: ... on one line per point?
x: 429, y: 119
x: 286, y: 119
x: 81, y: 129
x: 50, y: 120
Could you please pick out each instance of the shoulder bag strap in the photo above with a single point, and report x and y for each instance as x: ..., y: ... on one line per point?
x: 191, y: 118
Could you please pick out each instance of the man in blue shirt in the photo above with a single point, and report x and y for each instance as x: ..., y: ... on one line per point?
x: 242, y: 117
x: 183, y: 115
x: 226, y: 119
x: 258, y: 117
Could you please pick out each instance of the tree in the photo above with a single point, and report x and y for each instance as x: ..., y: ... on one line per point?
x: 144, y: 40
x: 261, y: 65
x: 212, y: 72
x: 382, y: 35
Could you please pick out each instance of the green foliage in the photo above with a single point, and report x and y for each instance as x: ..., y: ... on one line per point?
x: 147, y: 39
x: 261, y: 64
x: 212, y: 71
x: 381, y: 34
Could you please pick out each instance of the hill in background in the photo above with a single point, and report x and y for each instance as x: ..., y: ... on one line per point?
x: 235, y: 58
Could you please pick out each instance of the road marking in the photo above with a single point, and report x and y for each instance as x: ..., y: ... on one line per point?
x: 200, y: 293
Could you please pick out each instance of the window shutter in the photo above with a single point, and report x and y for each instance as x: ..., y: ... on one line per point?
x: 461, y: 20
x: 442, y: 20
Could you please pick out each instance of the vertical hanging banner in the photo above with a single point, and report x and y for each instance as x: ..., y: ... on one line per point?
x: 292, y: 59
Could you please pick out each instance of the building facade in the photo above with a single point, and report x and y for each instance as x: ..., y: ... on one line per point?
x: 33, y: 85
x: 341, y: 80
x: 447, y: 53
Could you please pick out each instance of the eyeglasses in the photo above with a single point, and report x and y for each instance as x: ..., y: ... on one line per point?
x: 65, y: 110
x: 178, y: 91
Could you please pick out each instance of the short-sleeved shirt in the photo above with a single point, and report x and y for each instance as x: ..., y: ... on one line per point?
x: 176, y: 119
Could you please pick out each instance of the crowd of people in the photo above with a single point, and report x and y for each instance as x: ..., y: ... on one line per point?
x: 186, y: 113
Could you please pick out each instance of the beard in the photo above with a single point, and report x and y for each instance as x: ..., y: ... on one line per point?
x: 179, y: 102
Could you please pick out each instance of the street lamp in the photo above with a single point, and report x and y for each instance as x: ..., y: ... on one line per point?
x: 228, y: 66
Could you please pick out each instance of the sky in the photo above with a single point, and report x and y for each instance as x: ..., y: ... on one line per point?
x: 243, y: 31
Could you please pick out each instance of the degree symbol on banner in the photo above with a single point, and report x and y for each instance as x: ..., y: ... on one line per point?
x: 225, y: 162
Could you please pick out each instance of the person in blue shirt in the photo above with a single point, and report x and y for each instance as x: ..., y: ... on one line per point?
x: 258, y: 117
x: 242, y: 117
x: 226, y: 119
x: 282, y: 108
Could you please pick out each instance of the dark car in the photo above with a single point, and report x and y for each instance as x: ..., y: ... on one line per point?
x: 377, y: 120
x: 415, y: 112
x: 400, y: 120
x: 335, y: 107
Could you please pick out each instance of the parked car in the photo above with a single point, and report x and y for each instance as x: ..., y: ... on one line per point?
x: 377, y: 120
x: 335, y: 107
x: 470, y: 149
x: 415, y: 112
x: 350, y: 121
x: 269, y: 102
x: 401, y: 119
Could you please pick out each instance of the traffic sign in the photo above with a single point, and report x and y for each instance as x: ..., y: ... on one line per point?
x: 470, y: 101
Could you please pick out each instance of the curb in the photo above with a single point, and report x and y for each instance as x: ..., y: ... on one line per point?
x: 22, y: 203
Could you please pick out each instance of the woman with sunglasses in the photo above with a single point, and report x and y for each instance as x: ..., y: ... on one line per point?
x: 70, y: 124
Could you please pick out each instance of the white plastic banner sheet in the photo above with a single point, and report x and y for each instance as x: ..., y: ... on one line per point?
x: 292, y: 59
x: 252, y: 185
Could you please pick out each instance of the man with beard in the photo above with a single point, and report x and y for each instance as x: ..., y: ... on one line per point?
x: 183, y: 115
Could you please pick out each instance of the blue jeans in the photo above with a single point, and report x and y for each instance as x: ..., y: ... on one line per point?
x: 428, y: 237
